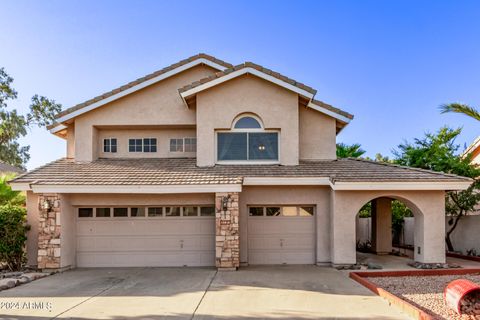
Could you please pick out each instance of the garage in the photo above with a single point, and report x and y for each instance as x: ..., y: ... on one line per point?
x: 156, y: 236
x: 281, y: 234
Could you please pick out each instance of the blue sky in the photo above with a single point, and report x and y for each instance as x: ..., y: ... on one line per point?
x: 391, y: 63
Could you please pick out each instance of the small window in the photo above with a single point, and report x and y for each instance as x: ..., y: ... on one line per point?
x: 85, y: 212
x: 176, y: 145
x: 273, y: 211
x: 110, y: 145
x: 102, y: 212
x: 247, y: 123
x: 172, y: 211
x: 289, y: 211
x: 190, y: 144
x: 137, y: 212
x: 207, y: 211
x: 190, y: 211
x: 155, y: 211
x: 255, y: 211
x: 150, y: 145
x: 134, y: 145
x: 306, y: 211
x: 120, y: 212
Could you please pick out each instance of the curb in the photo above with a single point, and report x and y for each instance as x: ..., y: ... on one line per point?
x: 463, y: 256
x: 405, y: 306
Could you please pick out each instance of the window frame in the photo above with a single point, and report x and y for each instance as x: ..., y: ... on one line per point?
x: 183, y: 144
x: 281, y: 216
x: 109, y: 139
x: 198, y: 209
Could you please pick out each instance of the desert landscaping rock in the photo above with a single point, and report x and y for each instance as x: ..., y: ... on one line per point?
x: 18, y: 278
x: 7, y: 283
x: 425, y: 292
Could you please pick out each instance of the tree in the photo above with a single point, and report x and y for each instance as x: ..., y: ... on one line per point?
x: 7, y: 195
x: 460, y: 108
x: 439, y: 152
x: 349, y: 151
x: 13, y: 229
x: 14, y: 125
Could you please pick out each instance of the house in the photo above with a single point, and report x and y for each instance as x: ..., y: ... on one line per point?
x: 9, y: 169
x: 208, y: 164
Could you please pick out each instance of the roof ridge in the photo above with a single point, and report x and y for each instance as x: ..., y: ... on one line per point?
x: 248, y: 64
x: 140, y: 80
x: 407, y: 167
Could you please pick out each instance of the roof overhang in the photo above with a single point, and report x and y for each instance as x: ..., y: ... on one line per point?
x: 413, y: 186
x: 286, y: 181
x: 137, y: 87
x: 126, y: 189
x: 247, y: 70
x: 328, y: 112
x: 471, y: 148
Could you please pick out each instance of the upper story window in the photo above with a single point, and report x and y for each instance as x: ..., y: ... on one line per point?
x: 110, y: 145
x: 142, y: 145
x: 247, y: 141
x: 183, y: 145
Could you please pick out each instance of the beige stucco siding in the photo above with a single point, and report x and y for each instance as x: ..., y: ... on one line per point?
x: 218, y: 107
x: 317, y: 135
x: 71, y: 141
x: 67, y: 233
x: 318, y: 196
x: 32, y: 235
x: 163, y: 137
x: 158, y: 104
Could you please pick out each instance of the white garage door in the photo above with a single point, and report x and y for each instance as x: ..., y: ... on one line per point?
x: 281, y: 235
x: 154, y: 236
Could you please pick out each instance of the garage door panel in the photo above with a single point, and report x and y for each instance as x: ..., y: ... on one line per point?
x: 146, y: 242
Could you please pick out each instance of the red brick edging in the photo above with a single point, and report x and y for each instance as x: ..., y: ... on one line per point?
x: 463, y: 256
x: 406, y: 307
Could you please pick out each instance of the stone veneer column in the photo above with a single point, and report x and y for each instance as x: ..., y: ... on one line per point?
x: 49, y: 232
x: 227, y: 248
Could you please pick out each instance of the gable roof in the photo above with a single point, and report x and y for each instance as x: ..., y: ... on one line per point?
x: 474, y: 146
x: 6, y: 168
x: 136, y: 85
x: 241, y: 69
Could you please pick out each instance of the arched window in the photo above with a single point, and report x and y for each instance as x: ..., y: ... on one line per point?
x: 247, y: 141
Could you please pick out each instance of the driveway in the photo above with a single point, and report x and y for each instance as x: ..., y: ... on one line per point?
x: 280, y: 292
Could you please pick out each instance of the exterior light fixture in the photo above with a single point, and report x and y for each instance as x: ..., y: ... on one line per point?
x: 47, y: 205
x: 225, y: 202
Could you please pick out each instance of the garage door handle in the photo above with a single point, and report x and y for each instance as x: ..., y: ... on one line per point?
x: 181, y: 244
x: 281, y: 242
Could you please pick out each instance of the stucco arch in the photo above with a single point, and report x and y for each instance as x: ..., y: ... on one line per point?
x: 247, y: 114
x: 428, y: 208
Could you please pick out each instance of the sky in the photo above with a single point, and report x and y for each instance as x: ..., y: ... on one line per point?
x: 390, y: 63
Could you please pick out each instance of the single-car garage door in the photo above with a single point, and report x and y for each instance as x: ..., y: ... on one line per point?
x: 161, y: 236
x: 281, y: 235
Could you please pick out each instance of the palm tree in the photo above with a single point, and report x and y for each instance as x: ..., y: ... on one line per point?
x: 349, y: 151
x: 460, y: 108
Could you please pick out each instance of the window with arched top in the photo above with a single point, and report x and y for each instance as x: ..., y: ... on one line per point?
x: 247, y: 142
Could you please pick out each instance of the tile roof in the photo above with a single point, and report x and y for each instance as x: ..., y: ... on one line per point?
x: 6, y: 168
x: 248, y: 65
x: 183, y: 171
x: 332, y: 108
x: 140, y: 80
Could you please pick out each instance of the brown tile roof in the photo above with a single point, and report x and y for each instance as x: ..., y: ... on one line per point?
x: 143, y: 79
x: 6, y: 168
x: 248, y: 65
x: 332, y: 108
x: 184, y: 171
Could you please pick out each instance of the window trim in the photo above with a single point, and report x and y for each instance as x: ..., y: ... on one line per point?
x: 146, y: 207
x: 281, y: 216
x: 247, y: 115
x: 183, y: 145
x: 248, y: 161
x: 110, y: 146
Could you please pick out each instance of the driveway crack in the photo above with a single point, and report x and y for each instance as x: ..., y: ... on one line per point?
x: 203, y: 295
x: 96, y: 295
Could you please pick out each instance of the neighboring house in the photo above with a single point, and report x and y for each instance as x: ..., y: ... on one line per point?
x: 474, y: 150
x: 207, y: 164
x: 8, y: 169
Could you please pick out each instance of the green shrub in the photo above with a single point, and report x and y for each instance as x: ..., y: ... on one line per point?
x: 13, y: 230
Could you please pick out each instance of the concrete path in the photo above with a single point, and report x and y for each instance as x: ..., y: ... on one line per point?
x: 280, y: 292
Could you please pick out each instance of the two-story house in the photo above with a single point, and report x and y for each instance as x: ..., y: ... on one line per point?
x: 208, y: 164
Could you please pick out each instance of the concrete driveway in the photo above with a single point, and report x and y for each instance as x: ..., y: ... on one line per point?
x: 283, y: 292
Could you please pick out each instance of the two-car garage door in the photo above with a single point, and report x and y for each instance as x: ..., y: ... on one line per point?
x: 155, y: 236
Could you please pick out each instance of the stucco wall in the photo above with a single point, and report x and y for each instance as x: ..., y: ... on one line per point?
x: 67, y: 232
x: 32, y: 235
x: 427, y: 206
x: 163, y: 142
x: 318, y: 196
x: 71, y: 141
x: 317, y: 135
x: 220, y: 105
x: 158, y: 104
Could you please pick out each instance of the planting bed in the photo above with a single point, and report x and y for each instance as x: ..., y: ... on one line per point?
x: 422, y: 291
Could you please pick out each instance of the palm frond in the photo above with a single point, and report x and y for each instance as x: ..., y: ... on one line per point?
x: 460, y: 108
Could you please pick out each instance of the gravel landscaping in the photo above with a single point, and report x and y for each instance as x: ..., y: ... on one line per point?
x: 425, y: 292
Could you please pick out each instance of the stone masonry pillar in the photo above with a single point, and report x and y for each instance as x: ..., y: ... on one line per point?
x: 49, y: 251
x: 382, y: 225
x: 227, y: 247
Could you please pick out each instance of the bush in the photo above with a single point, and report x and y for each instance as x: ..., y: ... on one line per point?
x: 13, y: 230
